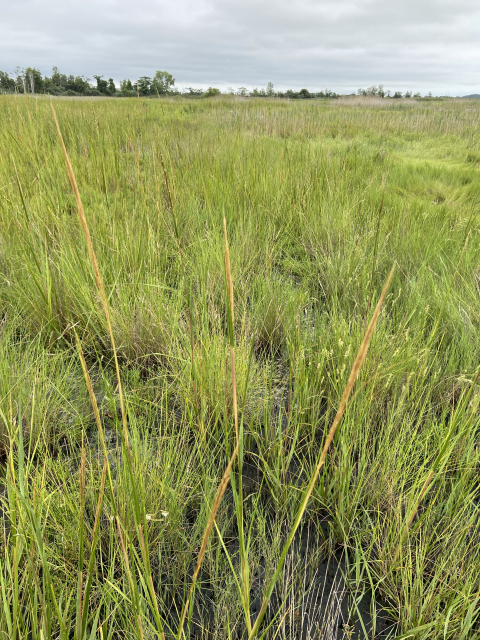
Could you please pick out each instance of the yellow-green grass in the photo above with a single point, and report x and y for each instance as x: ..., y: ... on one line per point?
x: 320, y: 200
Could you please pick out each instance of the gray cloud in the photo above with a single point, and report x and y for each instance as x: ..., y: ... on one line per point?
x: 426, y: 45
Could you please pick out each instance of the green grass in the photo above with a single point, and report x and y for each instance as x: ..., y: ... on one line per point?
x: 321, y: 199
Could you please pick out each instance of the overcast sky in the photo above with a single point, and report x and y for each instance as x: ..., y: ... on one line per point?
x: 419, y: 45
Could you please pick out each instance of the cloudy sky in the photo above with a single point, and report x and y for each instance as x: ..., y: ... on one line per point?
x: 419, y: 45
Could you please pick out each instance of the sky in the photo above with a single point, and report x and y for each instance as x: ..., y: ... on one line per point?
x: 342, y: 45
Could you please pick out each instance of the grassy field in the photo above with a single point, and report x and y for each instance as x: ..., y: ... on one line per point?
x: 126, y: 392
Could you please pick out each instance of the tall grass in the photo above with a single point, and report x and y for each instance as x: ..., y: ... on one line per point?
x: 184, y: 289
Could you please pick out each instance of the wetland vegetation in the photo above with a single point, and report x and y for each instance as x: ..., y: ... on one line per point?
x: 147, y: 351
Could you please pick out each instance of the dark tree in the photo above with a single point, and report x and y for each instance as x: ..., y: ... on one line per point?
x: 144, y: 86
x: 58, y: 79
x: 102, y: 85
x: 78, y: 84
x: 6, y: 82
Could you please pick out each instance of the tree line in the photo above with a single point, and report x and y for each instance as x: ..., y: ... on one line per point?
x: 380, y: 92
x: 30, y: 80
